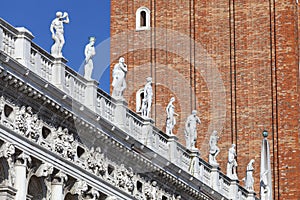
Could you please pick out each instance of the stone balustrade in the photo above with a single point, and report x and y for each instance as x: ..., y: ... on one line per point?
x: 15, y: 43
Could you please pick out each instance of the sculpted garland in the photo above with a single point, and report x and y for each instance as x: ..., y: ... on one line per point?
x: 62, y: 142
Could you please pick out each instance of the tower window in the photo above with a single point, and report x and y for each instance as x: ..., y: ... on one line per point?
x: 143, y: 19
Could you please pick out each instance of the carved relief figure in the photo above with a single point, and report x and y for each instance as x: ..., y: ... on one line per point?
x: 249, y: 181
x: 232, y: 164
x: 89, y: 53
x: 190, y: 130
x: 147, y: 101
x: 69, y: 145
x: 151, y: 191
x: 96, y: 162
x: 121, y: 176
x: 57, y: 30
x: 7, y: 151
x: 119, y: 78
x: 213, y: 148
x: 20, y: 119
x: 130, y: 183
x: 171, y: 121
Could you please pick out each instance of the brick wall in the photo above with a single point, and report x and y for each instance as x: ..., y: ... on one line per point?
x: 234, y: 61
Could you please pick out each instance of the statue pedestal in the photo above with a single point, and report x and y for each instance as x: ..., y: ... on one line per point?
x: 251, y: 195
x: 172, y: 141
x: 91, y: 95
x: 147, y: 128
x: 233, y: 189
x: 214, y: 178
x: 120, y: 113
x: 59, y: 78
x: 194, y: 167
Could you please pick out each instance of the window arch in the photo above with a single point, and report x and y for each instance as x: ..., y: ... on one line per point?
x: 143, y: 19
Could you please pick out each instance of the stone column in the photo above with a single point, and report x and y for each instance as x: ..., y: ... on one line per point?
x: 91, y: 95
x: 57, y: 186
x: 23, y: 46
x: 59, y: 78
x: 120, y: 113
x: 21, y: 180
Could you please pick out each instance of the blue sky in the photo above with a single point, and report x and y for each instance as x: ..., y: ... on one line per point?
x: 87, y: 18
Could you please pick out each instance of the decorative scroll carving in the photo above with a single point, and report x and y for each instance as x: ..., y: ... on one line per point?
x: 96, y: 162
x: 64, y: 143
x: 151, y: 191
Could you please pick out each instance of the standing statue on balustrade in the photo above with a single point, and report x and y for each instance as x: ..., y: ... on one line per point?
x: 249, y: 181
x: 119, y: 79
x: 89, y: 53
x: 213, y: 149
x: 147, y: 100
x: 190, y: 131
x: 57, y: 30
x: 232, y: 164
x: 171, y: 121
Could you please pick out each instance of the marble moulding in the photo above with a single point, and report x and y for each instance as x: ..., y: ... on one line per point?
x: 62, y: 142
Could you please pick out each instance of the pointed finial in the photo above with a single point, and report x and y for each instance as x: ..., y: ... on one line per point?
x: 265, y: 133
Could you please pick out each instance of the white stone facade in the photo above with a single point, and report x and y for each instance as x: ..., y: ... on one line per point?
x: 61, y: 137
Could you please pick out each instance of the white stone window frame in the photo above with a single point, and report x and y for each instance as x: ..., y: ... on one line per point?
x: 138, y: 19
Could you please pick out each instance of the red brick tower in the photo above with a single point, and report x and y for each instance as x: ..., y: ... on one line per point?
x: 236, y: 62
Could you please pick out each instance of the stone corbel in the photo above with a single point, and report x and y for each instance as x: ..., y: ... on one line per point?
x: 23, y: 159
x: 79, y: 188
x: 44, y: 170
x: 92, y: 194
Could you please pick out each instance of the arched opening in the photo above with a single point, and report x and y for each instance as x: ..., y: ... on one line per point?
x: 37, y: 188
x: 142, y: 18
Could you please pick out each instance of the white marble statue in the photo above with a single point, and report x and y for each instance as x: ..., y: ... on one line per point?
x: 57, y: 30
x: 170, y: 121
x: 232, y: 164
x: 147, y: 100
x: 119, y: 78
x: 213, y: 148
x: 249, y: 181
x: 190, y: 130
x: 89, y: 53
